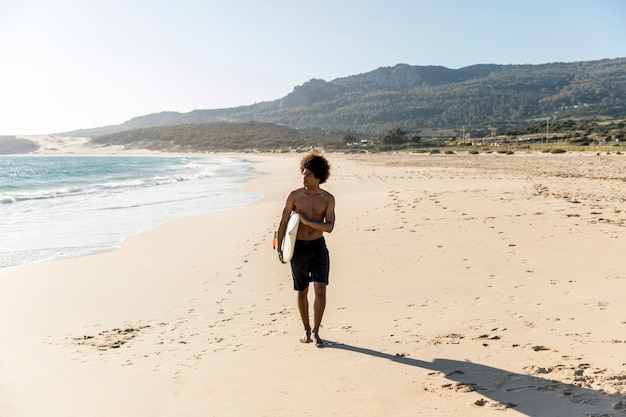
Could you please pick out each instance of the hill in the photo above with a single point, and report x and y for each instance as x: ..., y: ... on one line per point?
x: 11, y: 145
x: 427, y: 98
x: 216, y: 136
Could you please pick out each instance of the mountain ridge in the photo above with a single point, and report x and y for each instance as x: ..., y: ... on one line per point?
x: 426, y: 97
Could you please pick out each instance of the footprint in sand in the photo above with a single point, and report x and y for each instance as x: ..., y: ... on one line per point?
x: 495, y: 405
x: 461, y: 386
x: 109, y: 339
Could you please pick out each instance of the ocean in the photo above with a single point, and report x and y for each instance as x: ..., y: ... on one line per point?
x: 54, y: 207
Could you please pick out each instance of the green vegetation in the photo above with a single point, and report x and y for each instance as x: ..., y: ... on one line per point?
x: 489, y: 108
x: 475, y: 100
x: 218, y: 136
x: 252, y: 136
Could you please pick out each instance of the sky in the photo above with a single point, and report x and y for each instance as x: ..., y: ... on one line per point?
x: 71, y: 64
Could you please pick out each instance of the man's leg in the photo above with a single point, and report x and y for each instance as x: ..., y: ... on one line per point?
x: 319, y: 305
x: 303, y: 307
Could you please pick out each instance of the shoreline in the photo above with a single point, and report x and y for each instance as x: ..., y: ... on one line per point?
x: 106, y: 207
x: 475, y: 285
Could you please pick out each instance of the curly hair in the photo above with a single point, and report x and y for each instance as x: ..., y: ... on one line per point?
x: 317, y: 164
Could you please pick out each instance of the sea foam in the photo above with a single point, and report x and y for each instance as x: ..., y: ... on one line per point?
x: 54, y: 207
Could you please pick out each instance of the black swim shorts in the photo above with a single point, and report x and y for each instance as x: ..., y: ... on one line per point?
x: 310, y: 263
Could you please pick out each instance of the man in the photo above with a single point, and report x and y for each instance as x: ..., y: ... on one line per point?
x: 310, y: 261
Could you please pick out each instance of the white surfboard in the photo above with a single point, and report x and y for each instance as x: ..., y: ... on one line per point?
x: 289, y: 241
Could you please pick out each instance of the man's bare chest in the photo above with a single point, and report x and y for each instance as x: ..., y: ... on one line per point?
x: 312, y: 206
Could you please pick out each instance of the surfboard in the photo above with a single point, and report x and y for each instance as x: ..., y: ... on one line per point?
x: 289, y: 241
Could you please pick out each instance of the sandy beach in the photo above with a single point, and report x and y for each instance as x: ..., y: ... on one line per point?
x: 460, y: 285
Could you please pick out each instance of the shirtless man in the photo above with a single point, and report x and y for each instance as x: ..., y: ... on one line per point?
x: 310, y: 261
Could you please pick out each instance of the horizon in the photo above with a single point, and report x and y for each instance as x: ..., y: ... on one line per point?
x: 79, y: 66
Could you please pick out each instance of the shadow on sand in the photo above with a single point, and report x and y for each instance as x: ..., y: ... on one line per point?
x: 527, y: 394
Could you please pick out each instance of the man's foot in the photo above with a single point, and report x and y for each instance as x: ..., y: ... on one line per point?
x: 318, y: 341
x: 306, y: 337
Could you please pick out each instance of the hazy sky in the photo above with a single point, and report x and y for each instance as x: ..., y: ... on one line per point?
x: 70, y: 64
